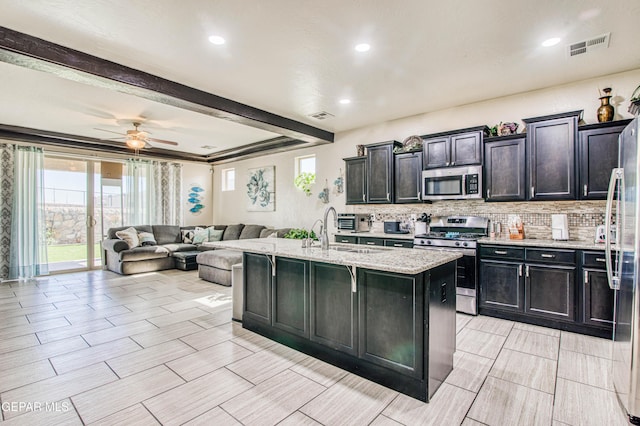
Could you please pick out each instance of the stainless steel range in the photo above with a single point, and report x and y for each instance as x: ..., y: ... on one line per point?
x: 458, y: 233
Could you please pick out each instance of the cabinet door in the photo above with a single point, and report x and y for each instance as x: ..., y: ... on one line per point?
x: 436, y: 152
x: 290, y: 294
x: 598, y: 156
x: 551, y: 151
x: 380, y: 174
x: 408, y: 178
x: 504, y: 165
x: 257, y: 287
x: 466, y: 148
x: 501, y: 285
x: 346, y: 239
x: 333, y: 308
x: 398, y: 243
x: 549, y: 291
x: 597, y: 299
x: 356, y: 176
x: 371, y: 241
x: 391, y: 320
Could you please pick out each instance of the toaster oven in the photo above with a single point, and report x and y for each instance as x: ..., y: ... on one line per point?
x: 354, y: 222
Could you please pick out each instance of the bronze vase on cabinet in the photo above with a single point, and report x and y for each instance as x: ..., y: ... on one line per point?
x: 605, y: 111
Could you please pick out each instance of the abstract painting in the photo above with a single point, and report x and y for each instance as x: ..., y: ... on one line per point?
x: 195, y: 198
x: 261, y: 189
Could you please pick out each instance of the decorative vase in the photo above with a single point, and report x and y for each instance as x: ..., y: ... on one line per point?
x: 605, y: 111
x: 360, y: 150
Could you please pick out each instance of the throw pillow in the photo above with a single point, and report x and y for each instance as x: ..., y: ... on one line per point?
x: 147, y: 239
x: 215, y: 234
x: 200, y: 236
x: 187, y: 235
x: 130, y: 236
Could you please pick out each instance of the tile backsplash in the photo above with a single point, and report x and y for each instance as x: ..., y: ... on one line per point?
x: 583, y: 216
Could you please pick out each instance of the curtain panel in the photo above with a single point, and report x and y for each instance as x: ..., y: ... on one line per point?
x: 28, y: 249
x: 6, y: 201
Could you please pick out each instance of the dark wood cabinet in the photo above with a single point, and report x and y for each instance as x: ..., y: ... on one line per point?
x: 391, y: 320
x: 380, y: 168
x: 350, y: 239
x: 333, y: 308
x: 597, y: 297
x: 502, y: 285
x: 551, y: 153
x: 389, y: 242
x: 597, y: 156
x: 505, y: 168
x: 371, y: 241
x: 408, y: 177
x: 356, y: 180
x: 290, y: 295
x: 257, y: 287
x: 549, y: 291
x: 455, y: 148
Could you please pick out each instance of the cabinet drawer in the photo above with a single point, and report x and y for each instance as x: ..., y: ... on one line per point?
x: 594, y: 259
x: 502, y: 252
x: 398, y: 243
x: 351, y: 239
x: 551, y: 256
x: 370, y: 241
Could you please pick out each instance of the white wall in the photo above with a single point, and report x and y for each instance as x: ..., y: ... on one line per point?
x: 200, y: 175
x: 294, y: 209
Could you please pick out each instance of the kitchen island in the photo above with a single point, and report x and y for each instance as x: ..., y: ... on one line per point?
x: 386, y: 314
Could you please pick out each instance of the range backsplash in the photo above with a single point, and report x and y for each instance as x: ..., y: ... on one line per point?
x: 583, y: 216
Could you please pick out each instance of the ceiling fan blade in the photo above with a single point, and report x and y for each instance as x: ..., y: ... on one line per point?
x: 110, y: 131
x: 115, y: 139
x: 163, y: 141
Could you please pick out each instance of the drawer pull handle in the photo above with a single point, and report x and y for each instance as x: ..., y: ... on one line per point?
x: 371, y: 243
x: 548, y: 256
x: 344, y: 241
x: 500, y: 252
x: 601, y: 259
x: 397, y: 245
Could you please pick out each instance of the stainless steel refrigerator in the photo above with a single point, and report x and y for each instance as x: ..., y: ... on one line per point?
x: 622, y: 252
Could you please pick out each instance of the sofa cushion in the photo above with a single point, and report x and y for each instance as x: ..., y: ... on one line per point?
x: 166, y: 234
x: 143, y: 253
x: 130, y: 236
x: 200, y: 235
x: 221, y: 259
x: 111, y: 232
x: 187, y: 235
x: 147, y: 239
x: 251, y: 231
x: 232, y: 232
x: 176, y: 247
x: 215, y: 234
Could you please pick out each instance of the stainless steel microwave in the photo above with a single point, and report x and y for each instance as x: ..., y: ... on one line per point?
x: 452, y: 183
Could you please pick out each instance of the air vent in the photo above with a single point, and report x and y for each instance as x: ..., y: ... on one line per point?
x: 322, y: 115
x: 587, y: 46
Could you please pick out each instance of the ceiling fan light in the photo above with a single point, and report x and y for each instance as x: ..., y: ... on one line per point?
x: 135, y: 143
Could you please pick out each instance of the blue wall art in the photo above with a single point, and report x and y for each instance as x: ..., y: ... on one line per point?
x: 261, y: 189
x: 194, y: 198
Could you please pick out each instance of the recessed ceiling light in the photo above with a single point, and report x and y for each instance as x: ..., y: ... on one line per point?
x: 216, y: 39
x: 551, y: 42
x: 362, y: 47
x: 345, y: 101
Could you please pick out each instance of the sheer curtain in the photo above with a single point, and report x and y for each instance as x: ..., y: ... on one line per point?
x: 153, y: 193
x: 6, y: 201
x: 28, y: 249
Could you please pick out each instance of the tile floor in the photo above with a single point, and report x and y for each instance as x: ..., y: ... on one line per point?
x: 99, y: 348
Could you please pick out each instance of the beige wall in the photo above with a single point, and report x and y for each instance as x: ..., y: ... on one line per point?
x: 294, y: 209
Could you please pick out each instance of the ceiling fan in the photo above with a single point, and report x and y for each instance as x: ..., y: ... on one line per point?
x: 138, y: 139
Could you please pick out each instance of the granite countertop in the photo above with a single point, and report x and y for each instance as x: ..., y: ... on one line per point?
x: 535, y: 242
x: 399, y: 260
x: 408, y: 236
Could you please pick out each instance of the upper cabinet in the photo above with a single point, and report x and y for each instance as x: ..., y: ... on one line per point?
x: 504, y: 168
x: 380, y: 172
x: 356, y: 180
x: 551, y: 153
x: 407, y: 179
x: 597, y: 156
x: 456, y: 148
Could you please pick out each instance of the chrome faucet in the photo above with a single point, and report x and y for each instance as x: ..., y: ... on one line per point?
x: 308, y: 242
x: 324, y: 238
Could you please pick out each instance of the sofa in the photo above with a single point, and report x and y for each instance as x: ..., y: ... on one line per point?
x: 161, y: 242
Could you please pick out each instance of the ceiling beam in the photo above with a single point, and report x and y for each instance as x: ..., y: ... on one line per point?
x: 38, y: 54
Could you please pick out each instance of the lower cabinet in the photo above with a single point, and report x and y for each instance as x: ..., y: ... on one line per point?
x: 290, y: 295
x: 333, y: 308
x: 391, y: 320
x: 257, y: 287
x: 597, y: 296
x: 501, y: 285
x: 549, y: 291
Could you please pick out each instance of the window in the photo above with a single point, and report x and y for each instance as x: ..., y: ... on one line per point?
x: 306, y: 164
x: 228, y: 179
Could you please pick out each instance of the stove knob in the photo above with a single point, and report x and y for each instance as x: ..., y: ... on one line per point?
x: 457, y: 243
x: 429, y: 242
x: 465, y: 244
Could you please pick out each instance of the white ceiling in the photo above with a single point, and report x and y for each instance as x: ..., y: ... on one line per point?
x: 294, y: 58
